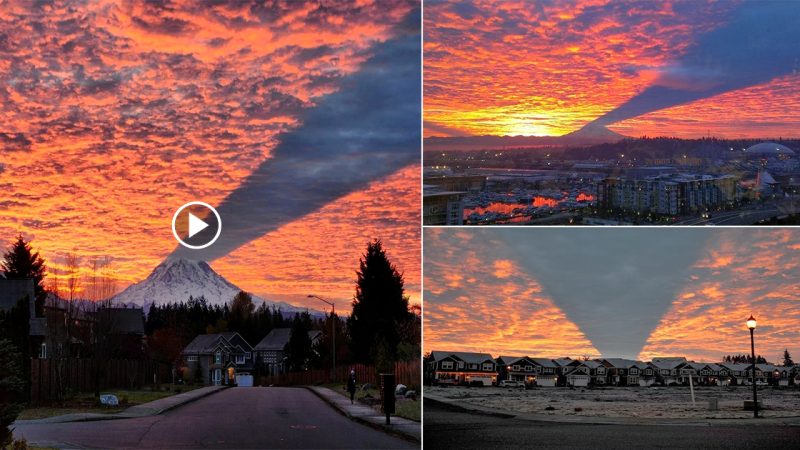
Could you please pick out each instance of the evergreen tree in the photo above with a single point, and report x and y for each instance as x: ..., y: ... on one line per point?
x: 21, y: 262
x: 787, y: 358
x: 12, y: 389
x: 298, y: 349
x: 380, y: 307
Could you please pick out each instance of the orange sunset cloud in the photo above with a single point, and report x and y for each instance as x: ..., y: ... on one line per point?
x: 115, y: 114
x: 549, y: 68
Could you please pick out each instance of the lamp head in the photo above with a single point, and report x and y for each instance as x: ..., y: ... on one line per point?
x: 751, y: 322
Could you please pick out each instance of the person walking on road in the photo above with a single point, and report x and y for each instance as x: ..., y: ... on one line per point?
x: 351, y: 385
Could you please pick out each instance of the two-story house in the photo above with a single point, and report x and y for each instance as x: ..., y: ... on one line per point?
x: 461, y: 368
x: 217, y: 358
x: 516, y: 368
x: 270, y: 351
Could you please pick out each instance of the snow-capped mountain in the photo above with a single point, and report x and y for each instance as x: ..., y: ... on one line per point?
x: 174, y: 280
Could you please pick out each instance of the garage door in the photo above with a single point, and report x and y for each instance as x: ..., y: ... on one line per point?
x: 244, y: 380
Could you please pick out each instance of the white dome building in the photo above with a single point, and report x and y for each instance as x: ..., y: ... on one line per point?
x: 769, y: 149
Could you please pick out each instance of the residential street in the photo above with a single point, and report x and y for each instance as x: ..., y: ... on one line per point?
x: 234, y: 418
x: 445, y: 428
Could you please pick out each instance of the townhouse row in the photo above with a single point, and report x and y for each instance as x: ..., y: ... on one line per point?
x: 466, y: 368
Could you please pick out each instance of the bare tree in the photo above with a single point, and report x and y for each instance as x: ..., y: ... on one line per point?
x: 65, y: 323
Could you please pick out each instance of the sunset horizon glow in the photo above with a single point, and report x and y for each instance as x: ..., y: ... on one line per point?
x: 516, y: 68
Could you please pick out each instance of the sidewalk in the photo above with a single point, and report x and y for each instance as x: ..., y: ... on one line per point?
x: 476, y: 409
x: 153, y: 408
x: 368, y: 416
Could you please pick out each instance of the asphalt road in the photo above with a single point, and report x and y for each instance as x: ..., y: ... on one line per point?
x: 445, y: 428
x: 265, y: 417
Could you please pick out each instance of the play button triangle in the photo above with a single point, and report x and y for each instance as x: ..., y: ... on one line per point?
x: 196, y: 225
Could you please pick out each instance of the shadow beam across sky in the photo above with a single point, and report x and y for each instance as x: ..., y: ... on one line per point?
x: 367, y: 130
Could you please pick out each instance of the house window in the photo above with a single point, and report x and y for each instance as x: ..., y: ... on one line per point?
x: 461, y: 364
x: 218, y: 357
x: 447, y: 365
x: 648, y: 371
x: 248, y: 355
x: 488, y: 367
x: 665, y: 371
x: 43, y: 351
x: 473, y: 366
x: 239, y: 359
x: 528, y: 369
x: 192, y: 358
x: 634, y: 371
x: 515, y: 368
x: 601, y: 370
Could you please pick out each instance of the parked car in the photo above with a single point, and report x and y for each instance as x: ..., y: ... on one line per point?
x: 511, y: 383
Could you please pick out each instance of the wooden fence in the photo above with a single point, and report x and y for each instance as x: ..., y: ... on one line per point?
x: 406, y: 372
x: 78, y: 375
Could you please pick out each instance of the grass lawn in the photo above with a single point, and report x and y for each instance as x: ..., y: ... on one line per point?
x: 85, y: 402
x: 408, y: 409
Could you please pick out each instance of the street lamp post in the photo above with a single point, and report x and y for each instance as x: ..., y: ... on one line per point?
x: 333, y: 333
x: 751, y: 324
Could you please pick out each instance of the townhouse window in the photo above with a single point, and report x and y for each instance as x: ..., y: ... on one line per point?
x: 447, y: 365
x: 488, y: 367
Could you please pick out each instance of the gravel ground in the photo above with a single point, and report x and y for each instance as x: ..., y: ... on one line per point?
x: 667, y: 402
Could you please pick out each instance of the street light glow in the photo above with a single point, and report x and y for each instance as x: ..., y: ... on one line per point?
x: 751, y: 322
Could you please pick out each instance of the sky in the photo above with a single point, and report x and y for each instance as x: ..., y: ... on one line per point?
x: 116, y: 114
x: 672, y: 68
x: 638, y: 294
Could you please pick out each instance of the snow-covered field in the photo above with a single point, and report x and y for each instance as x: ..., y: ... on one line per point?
x: 653, y: 402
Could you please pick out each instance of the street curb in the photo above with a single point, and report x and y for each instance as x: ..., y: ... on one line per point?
x: 96, y: 417
x: 384, y: 428
x: 589, y: 420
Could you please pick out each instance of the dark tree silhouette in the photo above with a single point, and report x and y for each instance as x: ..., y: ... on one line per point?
x: 380, y: 308
x: 787, y: 358
x: 20, y: 261
x: 298, y: 349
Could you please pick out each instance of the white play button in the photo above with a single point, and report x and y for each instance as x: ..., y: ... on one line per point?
x: 196, y: 225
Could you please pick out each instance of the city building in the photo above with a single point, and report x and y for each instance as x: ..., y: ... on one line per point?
x: 669, y: 194
x: 442, y: 207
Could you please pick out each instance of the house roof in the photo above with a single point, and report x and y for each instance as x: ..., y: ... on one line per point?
x: 667, y: 363
x: 507, y: 360
x: 468, y: 357
x: 206, y: 343
x: 544, y: 362
x: 731, y: 366
x: 622, y: 362
x: 563, y: 361
x: 277, y: 339
x: 12, y: 291
x: 592, y: 364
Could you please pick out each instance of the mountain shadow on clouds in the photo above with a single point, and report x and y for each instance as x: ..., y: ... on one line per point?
x: 367, y: 130
x: 761, y: 42
x: 614, y: 284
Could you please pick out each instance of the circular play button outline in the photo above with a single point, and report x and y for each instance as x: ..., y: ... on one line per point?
x: 196, y: 247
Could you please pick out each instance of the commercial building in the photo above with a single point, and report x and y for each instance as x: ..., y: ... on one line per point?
x: 669, y: 194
